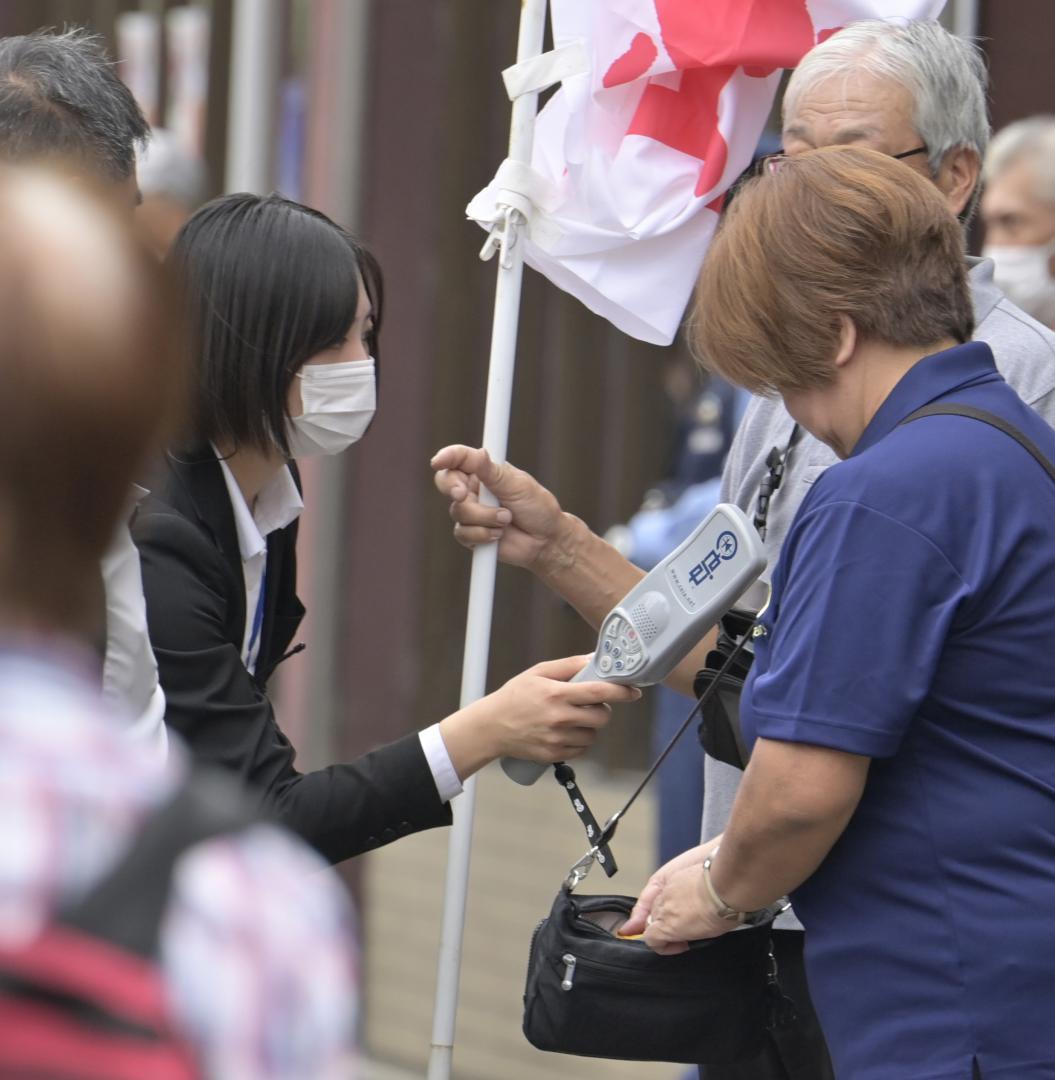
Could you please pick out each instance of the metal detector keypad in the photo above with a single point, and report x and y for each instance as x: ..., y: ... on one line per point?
x: 621, y: 652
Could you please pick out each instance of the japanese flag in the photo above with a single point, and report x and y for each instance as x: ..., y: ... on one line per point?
x: 635, y: 154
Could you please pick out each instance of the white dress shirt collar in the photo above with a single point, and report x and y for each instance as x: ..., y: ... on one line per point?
x: 277, y: 505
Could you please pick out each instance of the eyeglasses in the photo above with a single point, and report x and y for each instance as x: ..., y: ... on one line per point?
x: 773, y: 163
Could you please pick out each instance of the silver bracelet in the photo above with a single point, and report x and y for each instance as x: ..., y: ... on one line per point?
x: 724, y: 911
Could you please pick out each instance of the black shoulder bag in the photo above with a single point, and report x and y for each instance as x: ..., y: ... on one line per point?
x: 593, y: 993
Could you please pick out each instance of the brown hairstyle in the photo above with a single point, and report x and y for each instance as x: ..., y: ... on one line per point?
x: 90, y: 373
x: 840, y: 231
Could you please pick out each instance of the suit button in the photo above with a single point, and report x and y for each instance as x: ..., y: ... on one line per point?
x: 405, y: 826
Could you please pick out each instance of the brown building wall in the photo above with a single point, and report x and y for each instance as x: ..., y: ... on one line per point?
x: 1017, y: 36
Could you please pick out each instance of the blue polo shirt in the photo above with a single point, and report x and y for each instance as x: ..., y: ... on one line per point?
x: 912, y: 621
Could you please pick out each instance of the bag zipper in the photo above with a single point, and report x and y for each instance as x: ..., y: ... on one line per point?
x: 588, y: 926
x: 615, y: 972
x: 531, y: 951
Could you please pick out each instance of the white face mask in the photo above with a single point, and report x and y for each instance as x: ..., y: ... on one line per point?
x: 1022, y: 272
x: 338, y: 402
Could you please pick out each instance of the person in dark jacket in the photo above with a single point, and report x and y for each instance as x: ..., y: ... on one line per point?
x: 285, y: 308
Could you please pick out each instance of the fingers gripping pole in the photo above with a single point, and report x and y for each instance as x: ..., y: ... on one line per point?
x: 481, y: 588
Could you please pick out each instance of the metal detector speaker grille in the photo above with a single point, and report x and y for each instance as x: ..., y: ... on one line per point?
x: 643, y: 621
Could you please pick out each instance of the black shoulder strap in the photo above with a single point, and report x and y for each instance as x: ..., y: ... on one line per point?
x: 127, y: 906
x: 953, y: 409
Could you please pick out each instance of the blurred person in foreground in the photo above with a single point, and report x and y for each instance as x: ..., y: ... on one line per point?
x: 254, y: 943
x: 1018, y: 211
x: 284, y: 317
x: 902, y: 698
x: 912, y: 91
x: 62, y: 104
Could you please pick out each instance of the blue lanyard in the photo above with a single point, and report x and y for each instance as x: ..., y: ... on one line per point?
x: 258, y: 617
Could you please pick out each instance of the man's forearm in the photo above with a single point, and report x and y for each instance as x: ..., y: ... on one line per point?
x: 586, y: 571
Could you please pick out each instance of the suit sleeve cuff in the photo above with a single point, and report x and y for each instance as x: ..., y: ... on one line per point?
x: 446, y: 779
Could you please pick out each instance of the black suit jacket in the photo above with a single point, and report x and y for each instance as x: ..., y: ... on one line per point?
x: 195, y: 595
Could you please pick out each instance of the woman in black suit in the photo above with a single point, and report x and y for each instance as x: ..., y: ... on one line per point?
x: 285, y: 309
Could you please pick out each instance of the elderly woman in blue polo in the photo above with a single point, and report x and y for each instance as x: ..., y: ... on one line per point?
x: 901, y: 706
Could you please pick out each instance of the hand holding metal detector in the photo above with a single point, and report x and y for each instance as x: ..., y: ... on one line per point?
x: 651, y: 630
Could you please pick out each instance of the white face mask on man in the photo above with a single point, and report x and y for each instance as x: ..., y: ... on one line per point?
x: 1022, y: 271
x: 338, y: 402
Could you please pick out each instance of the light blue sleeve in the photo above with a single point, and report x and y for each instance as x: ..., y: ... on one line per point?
x: 656, y: 533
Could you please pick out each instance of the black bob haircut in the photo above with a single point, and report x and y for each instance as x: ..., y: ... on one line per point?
x: 60, y: 97
x: 268, y: 283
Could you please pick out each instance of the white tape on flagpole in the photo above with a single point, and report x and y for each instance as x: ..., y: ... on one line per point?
x: 541, y: 72
x: 482, y: 581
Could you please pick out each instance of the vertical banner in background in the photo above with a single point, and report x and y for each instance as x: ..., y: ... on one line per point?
x: 638, y: 152
x: 187, y: 31
x: 139, y: 50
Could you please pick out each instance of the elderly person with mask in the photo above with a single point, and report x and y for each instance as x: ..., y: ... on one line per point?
x: 902, y: 698
x: 911, y: 91
x: 1018, y: 209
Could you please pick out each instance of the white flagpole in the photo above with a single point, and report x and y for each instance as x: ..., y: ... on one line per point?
x: 485, y: 557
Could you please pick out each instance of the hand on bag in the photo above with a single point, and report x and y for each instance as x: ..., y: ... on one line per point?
x: 638, y: 921
x: 537, y: 716
x: 528, y: 520
x: 683, y: 912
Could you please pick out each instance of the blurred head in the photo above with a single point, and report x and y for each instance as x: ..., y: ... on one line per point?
x: 913, y: 90
x: 840, y: 237
x: 1018, y: 210
x: 273, y: 286
x: 62, y: 103
x: 90, y: 376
